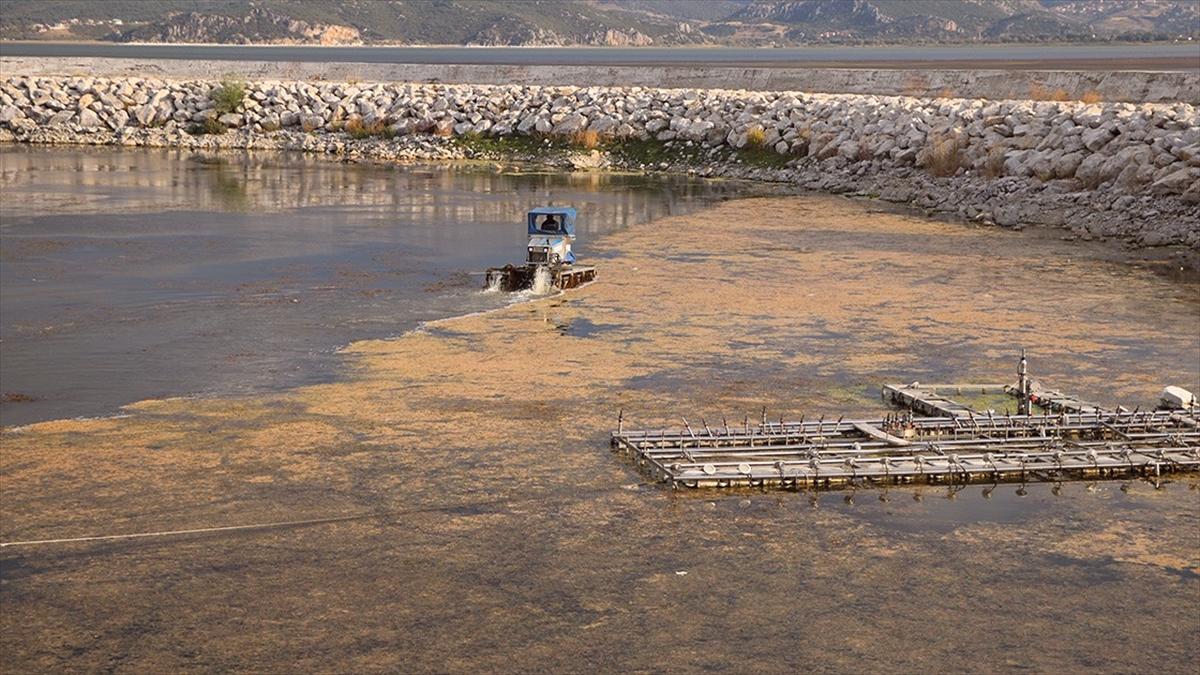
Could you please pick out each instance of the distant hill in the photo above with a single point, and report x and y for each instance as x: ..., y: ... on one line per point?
x: 599, y: 22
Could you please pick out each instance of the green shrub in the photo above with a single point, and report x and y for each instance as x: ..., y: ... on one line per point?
x: 229, y: 95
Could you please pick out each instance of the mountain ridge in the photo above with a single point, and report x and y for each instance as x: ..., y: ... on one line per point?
x: 600, y: 22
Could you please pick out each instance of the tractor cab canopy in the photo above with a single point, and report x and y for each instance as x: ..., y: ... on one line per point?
x: 552, y: 220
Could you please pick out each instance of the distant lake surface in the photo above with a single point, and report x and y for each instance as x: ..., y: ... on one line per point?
x: 134, y: 273
x: 1166, y: 57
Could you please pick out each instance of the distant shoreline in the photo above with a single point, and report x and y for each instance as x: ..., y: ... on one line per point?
x: 1158, y: 57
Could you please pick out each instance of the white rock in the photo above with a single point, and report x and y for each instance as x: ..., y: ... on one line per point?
x: 117, y: 119
x: 61, y: 118
x: 9, y: 113
x: 1094, y: 139
x: 145, y: 115
x: 88, y: 119
x: 571, y: 123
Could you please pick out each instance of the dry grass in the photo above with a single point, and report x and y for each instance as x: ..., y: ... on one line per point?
x: 308, y: 126
x: 993, y: 164
x: 1090, y: 96
x: 357, y: 128
x: 353, y: 126
x: 587, y: 139
x: 943, y: 156
x: 1039, y: 93
x: 946, y: 93
x: 756, y: 137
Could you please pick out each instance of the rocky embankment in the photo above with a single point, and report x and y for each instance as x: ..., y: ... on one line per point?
x: 1103, y: 170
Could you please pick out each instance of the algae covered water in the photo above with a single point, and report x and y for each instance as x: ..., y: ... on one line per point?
x: 491, y: 529
x: 129, y: 274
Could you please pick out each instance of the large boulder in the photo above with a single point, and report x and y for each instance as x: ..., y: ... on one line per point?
x: 9, y: 113
x: 1176, y: 182
x: 656, y: 125
x: 61, y: 118
x: 1065, y: 165
x: 1093, y: 170
x: 1192, y: 194
x: 604, y: 125
x: 1094, y: 139
x: 145, y: 114
x: 88, y: 119
x: 311, y: 122
x: 117, y: 119
x: 571, y: 123
x: 698, y: 130
x: 1127, y: 163
x: 527, y: 124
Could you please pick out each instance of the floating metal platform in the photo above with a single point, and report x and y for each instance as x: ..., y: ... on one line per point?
x: 957, y: 444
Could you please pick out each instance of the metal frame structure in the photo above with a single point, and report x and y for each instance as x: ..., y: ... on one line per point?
x: 960, y: 445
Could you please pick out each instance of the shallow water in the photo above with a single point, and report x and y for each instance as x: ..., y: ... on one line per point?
x: 500, y: 534
x: 128, y: 273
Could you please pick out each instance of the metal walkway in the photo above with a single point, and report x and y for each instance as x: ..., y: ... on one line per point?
x: 933, y: 399
x: 903, y: 449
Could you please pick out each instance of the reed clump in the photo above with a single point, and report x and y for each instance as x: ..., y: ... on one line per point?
x: 756, y: 137
x: 588, y: 139
x: 943, y: 155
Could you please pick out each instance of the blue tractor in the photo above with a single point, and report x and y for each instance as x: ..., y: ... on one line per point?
x: 549, y: 260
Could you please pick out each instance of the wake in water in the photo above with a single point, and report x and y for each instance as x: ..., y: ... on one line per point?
x: 542, y: 282
x: 493, y: 284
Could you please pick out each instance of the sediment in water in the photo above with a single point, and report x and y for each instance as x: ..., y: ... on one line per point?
x: 485, y: 446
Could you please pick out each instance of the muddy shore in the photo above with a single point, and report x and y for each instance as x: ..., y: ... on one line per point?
x: 509, y: 538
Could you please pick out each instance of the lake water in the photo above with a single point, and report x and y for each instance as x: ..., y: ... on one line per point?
x: 501, y: 533
x: 128, y: 274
